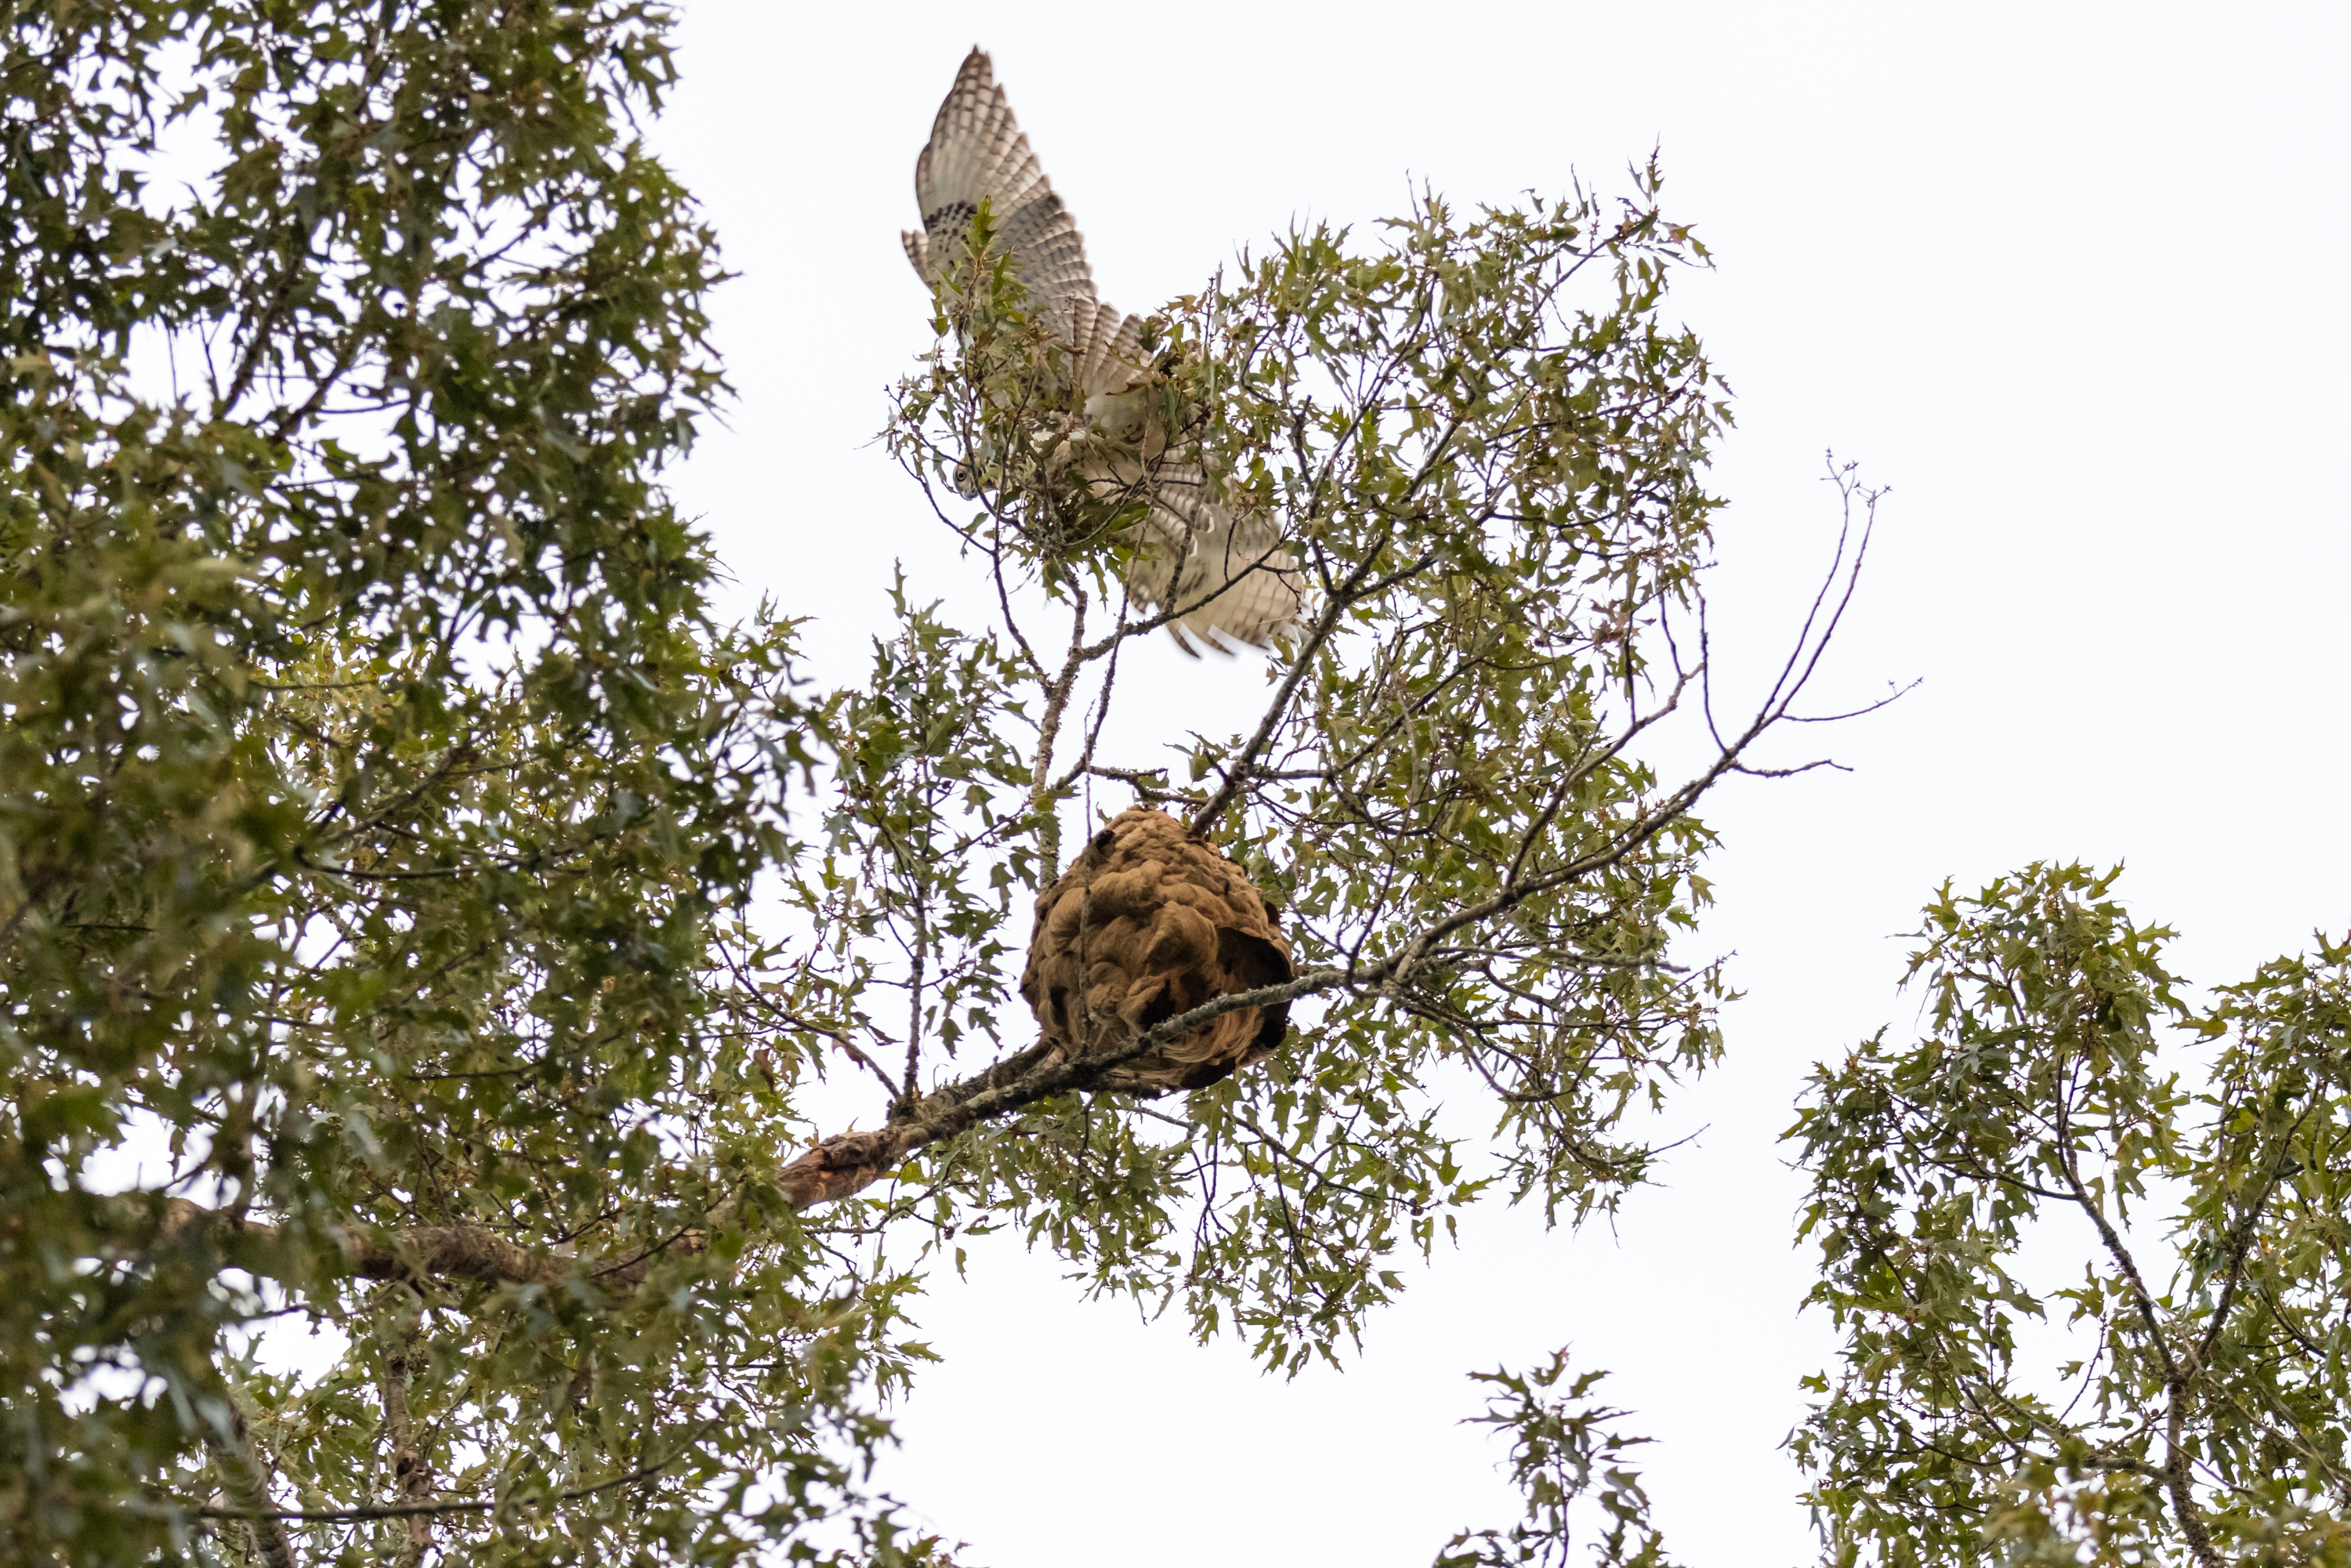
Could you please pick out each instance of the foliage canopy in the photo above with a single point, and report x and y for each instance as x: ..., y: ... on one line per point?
x: 2194, y: 1408
x: 382, y: 805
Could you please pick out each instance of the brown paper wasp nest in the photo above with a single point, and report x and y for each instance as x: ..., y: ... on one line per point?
x: 1147, y: 923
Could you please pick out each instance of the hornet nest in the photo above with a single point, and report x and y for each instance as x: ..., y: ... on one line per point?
x: 1151, y: 921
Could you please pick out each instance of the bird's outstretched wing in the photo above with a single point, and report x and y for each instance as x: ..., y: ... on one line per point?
x: 1226, y: 573
x: 977, y: 154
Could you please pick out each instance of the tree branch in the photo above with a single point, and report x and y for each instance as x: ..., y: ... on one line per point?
x: 411, y: 1477
x: 247, y: 1480
x: 409, y: 1510
x: 839, y: 1167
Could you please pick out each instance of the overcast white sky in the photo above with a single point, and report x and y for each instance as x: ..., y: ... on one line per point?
x: 2069, y: 278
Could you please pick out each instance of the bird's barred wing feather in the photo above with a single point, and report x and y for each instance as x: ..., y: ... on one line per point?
x: 1226, y: 572
x: 977, y: 154
x: 1106, y: 353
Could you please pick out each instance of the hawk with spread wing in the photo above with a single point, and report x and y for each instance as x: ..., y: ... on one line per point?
x: 1221, y: 572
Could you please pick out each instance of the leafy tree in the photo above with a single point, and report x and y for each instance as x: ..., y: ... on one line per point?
x: 382, y: 805
x: 1565, y: 1446
x: 2194, y: 1406
x: 372, y: 772
x: 1482, y: 443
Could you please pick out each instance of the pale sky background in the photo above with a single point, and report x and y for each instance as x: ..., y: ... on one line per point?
x: 2068, y: 278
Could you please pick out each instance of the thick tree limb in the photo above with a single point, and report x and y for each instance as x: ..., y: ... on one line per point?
x: 246, y: 1479
x: 411, y: 1475
x: 834, y: 1169
x: 446, y: 1505
x: 419, y: 1252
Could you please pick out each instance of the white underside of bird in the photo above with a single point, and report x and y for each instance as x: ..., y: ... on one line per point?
x: 1221, y: 572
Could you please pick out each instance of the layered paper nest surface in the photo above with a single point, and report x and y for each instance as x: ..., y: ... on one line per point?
x: 1149, y: 922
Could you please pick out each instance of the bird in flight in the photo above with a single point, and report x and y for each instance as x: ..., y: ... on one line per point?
x: 1221, y: 573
